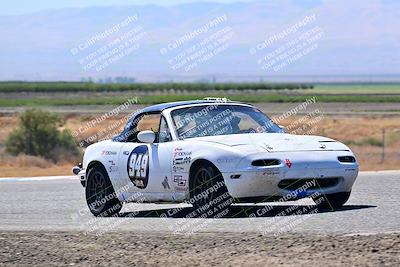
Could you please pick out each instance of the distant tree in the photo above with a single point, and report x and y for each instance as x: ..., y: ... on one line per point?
x: 124, y: 80
x: 87, y: 79
x: 38, y: 134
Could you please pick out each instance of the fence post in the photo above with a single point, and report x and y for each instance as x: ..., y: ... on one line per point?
x: 383, y: 144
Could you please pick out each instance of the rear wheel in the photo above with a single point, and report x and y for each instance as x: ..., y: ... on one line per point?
x: 208, y: 192
x: 100, y: 195
x: 335, y: 200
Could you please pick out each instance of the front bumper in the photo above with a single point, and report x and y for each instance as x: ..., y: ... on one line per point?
x: 310, y: 174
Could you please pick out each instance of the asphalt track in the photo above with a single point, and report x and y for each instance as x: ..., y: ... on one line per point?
x: 58, y: 204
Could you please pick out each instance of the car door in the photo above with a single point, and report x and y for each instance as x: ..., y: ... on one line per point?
x: 146, y: 168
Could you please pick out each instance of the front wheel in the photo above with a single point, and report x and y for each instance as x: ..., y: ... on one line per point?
x: 100, y: 195
x: 208, y: 192
x: 335, y: 200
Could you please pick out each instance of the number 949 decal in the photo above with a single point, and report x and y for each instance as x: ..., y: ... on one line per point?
x: 138, y: 166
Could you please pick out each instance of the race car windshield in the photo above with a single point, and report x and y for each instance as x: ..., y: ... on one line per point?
x: 212, y: 120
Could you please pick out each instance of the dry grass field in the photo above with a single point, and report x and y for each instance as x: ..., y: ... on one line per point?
x: 364, y: 134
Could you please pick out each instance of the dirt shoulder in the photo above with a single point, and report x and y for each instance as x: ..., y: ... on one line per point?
x: 62, y: 248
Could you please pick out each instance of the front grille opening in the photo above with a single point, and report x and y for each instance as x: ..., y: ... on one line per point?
x: 347, y: 159
x: 266, y: 162
x: 294, y: 184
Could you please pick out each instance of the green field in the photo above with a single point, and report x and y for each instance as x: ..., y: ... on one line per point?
x: 389, y: 88
x: 54, y: 94
x: 169, y: 98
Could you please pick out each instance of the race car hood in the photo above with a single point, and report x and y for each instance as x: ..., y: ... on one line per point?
x: 275, y: 142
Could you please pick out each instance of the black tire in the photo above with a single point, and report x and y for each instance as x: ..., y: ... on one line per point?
x: 336, y: 200
x: 208, y: 193
x: 100, y: 195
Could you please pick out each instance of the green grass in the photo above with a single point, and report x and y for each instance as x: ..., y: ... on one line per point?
x: 378, y: 88
x: 368, y: 141
x: 143, y: 87
x: 167, y: 92
x: 154, y: 99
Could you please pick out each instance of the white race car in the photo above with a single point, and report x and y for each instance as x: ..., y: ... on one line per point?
x: 211, y: 153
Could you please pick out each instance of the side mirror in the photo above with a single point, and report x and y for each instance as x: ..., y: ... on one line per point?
x: 146, y: 137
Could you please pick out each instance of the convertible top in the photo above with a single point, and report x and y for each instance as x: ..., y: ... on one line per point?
x: 163, y: 106
x: 122, y: 137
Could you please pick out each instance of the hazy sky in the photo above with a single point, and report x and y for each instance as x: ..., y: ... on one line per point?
x: 28, y: 6
x: 358, y: 37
